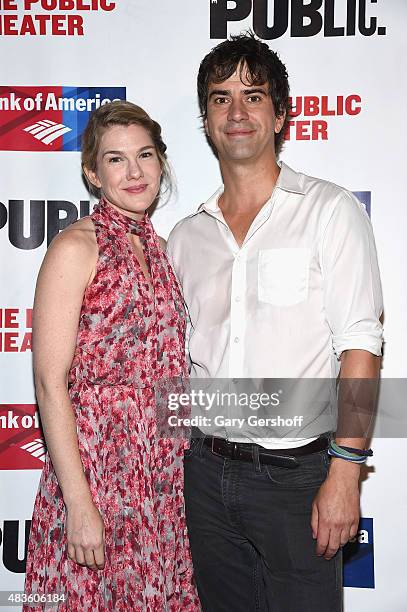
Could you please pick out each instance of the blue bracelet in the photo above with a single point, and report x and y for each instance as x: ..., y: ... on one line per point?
x: 346, y: 457
x: 358, y: 451
x: 342, y: 453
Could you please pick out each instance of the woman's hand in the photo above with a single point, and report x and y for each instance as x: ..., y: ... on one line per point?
x: 86, y: 535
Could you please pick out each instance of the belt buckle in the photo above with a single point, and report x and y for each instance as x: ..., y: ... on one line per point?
x: 213, y: 449
x: 230, y: 451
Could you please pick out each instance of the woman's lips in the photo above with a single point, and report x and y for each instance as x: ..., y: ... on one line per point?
x: 136, y: 189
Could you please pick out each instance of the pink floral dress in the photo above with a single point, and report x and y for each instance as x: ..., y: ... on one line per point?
x: 129, y: 338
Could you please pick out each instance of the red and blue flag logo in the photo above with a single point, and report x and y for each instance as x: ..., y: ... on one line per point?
x: 49, y: 118
x: 22, y: 445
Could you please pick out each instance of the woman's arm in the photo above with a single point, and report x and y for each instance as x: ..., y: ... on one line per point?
x: 67, y: 269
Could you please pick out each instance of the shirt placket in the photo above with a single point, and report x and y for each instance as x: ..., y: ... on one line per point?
x: 237, y: 314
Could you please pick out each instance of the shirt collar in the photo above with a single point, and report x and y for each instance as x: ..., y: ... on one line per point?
x: 288, y: 180
x: 211, y: 205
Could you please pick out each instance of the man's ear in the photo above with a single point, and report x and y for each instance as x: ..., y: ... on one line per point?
x: 92, y: 177
x: 206, y: 126
x: 279, y: 122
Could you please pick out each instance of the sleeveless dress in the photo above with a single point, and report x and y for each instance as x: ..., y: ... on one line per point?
x: 129, y: 339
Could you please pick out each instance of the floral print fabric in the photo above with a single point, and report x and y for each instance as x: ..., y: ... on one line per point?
x: 130, y: 337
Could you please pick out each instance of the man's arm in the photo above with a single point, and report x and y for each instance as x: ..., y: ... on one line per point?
x: 353, y: 305
x: 170, y: 245
x: 336, y: 508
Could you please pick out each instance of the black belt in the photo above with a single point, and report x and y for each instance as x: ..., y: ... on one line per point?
x: 284, y: 457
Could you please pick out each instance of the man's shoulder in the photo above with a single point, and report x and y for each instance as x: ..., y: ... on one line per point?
x: 336, y: 205
x: 185, y: 223
x: 328, y: 195
x: 186, y: 228
x: 319, y: 186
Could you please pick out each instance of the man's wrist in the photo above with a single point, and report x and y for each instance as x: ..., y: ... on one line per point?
x: 347, y: 453
x: 344, y: 469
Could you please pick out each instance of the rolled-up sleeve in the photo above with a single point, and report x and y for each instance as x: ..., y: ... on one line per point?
x: 351, y: 279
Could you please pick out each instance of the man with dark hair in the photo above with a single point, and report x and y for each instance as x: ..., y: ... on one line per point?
x: 252, y: 59
x: 280, y: 278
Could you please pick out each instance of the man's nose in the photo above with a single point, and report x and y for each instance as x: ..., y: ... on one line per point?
x: 237, y: 111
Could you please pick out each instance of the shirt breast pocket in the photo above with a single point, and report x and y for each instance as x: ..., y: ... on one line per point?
x: 283, y: 276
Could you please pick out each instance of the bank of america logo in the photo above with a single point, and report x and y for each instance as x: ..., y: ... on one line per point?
x: 36, y: 448
x: 50, y: 118
x: 358, y: 557
x: 47, y: 131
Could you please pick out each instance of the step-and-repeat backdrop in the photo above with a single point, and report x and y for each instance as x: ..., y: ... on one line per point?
x: 60, y: 59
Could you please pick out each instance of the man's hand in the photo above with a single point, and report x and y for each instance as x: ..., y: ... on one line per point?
x: 336, y: 508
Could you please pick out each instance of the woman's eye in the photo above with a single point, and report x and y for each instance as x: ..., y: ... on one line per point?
x: 114, y: 160
x: 146, y: 154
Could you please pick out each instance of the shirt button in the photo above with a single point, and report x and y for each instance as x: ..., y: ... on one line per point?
x: 235, y: 381
x: 237, y: 339
x: 237, y: 298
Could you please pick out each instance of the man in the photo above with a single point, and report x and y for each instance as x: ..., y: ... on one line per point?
x: 280, y: 279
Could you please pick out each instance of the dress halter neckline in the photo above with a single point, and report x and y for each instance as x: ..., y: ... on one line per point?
x: 119, y: 221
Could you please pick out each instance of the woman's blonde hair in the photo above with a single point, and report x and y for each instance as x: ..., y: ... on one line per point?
x: 121, y: 112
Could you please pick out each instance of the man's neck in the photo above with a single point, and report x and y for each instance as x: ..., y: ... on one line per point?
x: 247, y: 186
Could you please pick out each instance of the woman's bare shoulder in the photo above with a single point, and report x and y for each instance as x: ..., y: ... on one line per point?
x: 76, y: 247
x: 83, y: 229
x: 79, y: 235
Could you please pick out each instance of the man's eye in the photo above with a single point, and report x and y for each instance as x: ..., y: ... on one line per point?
x: 254, y: 98
x: 220, y: 100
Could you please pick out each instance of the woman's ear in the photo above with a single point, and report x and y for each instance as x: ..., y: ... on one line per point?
x: 92, y: 177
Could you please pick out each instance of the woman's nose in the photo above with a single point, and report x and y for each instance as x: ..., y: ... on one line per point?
x: 134, y: 170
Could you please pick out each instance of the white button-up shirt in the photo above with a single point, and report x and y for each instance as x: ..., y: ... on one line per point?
x: 303, y: 287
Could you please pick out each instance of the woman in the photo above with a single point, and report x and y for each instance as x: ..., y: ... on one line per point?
x: 108, y: 528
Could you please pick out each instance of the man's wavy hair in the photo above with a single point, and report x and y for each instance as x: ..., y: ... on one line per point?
x: 257, y: 64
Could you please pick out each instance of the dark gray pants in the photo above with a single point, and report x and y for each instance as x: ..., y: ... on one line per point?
x: 250, y: 534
